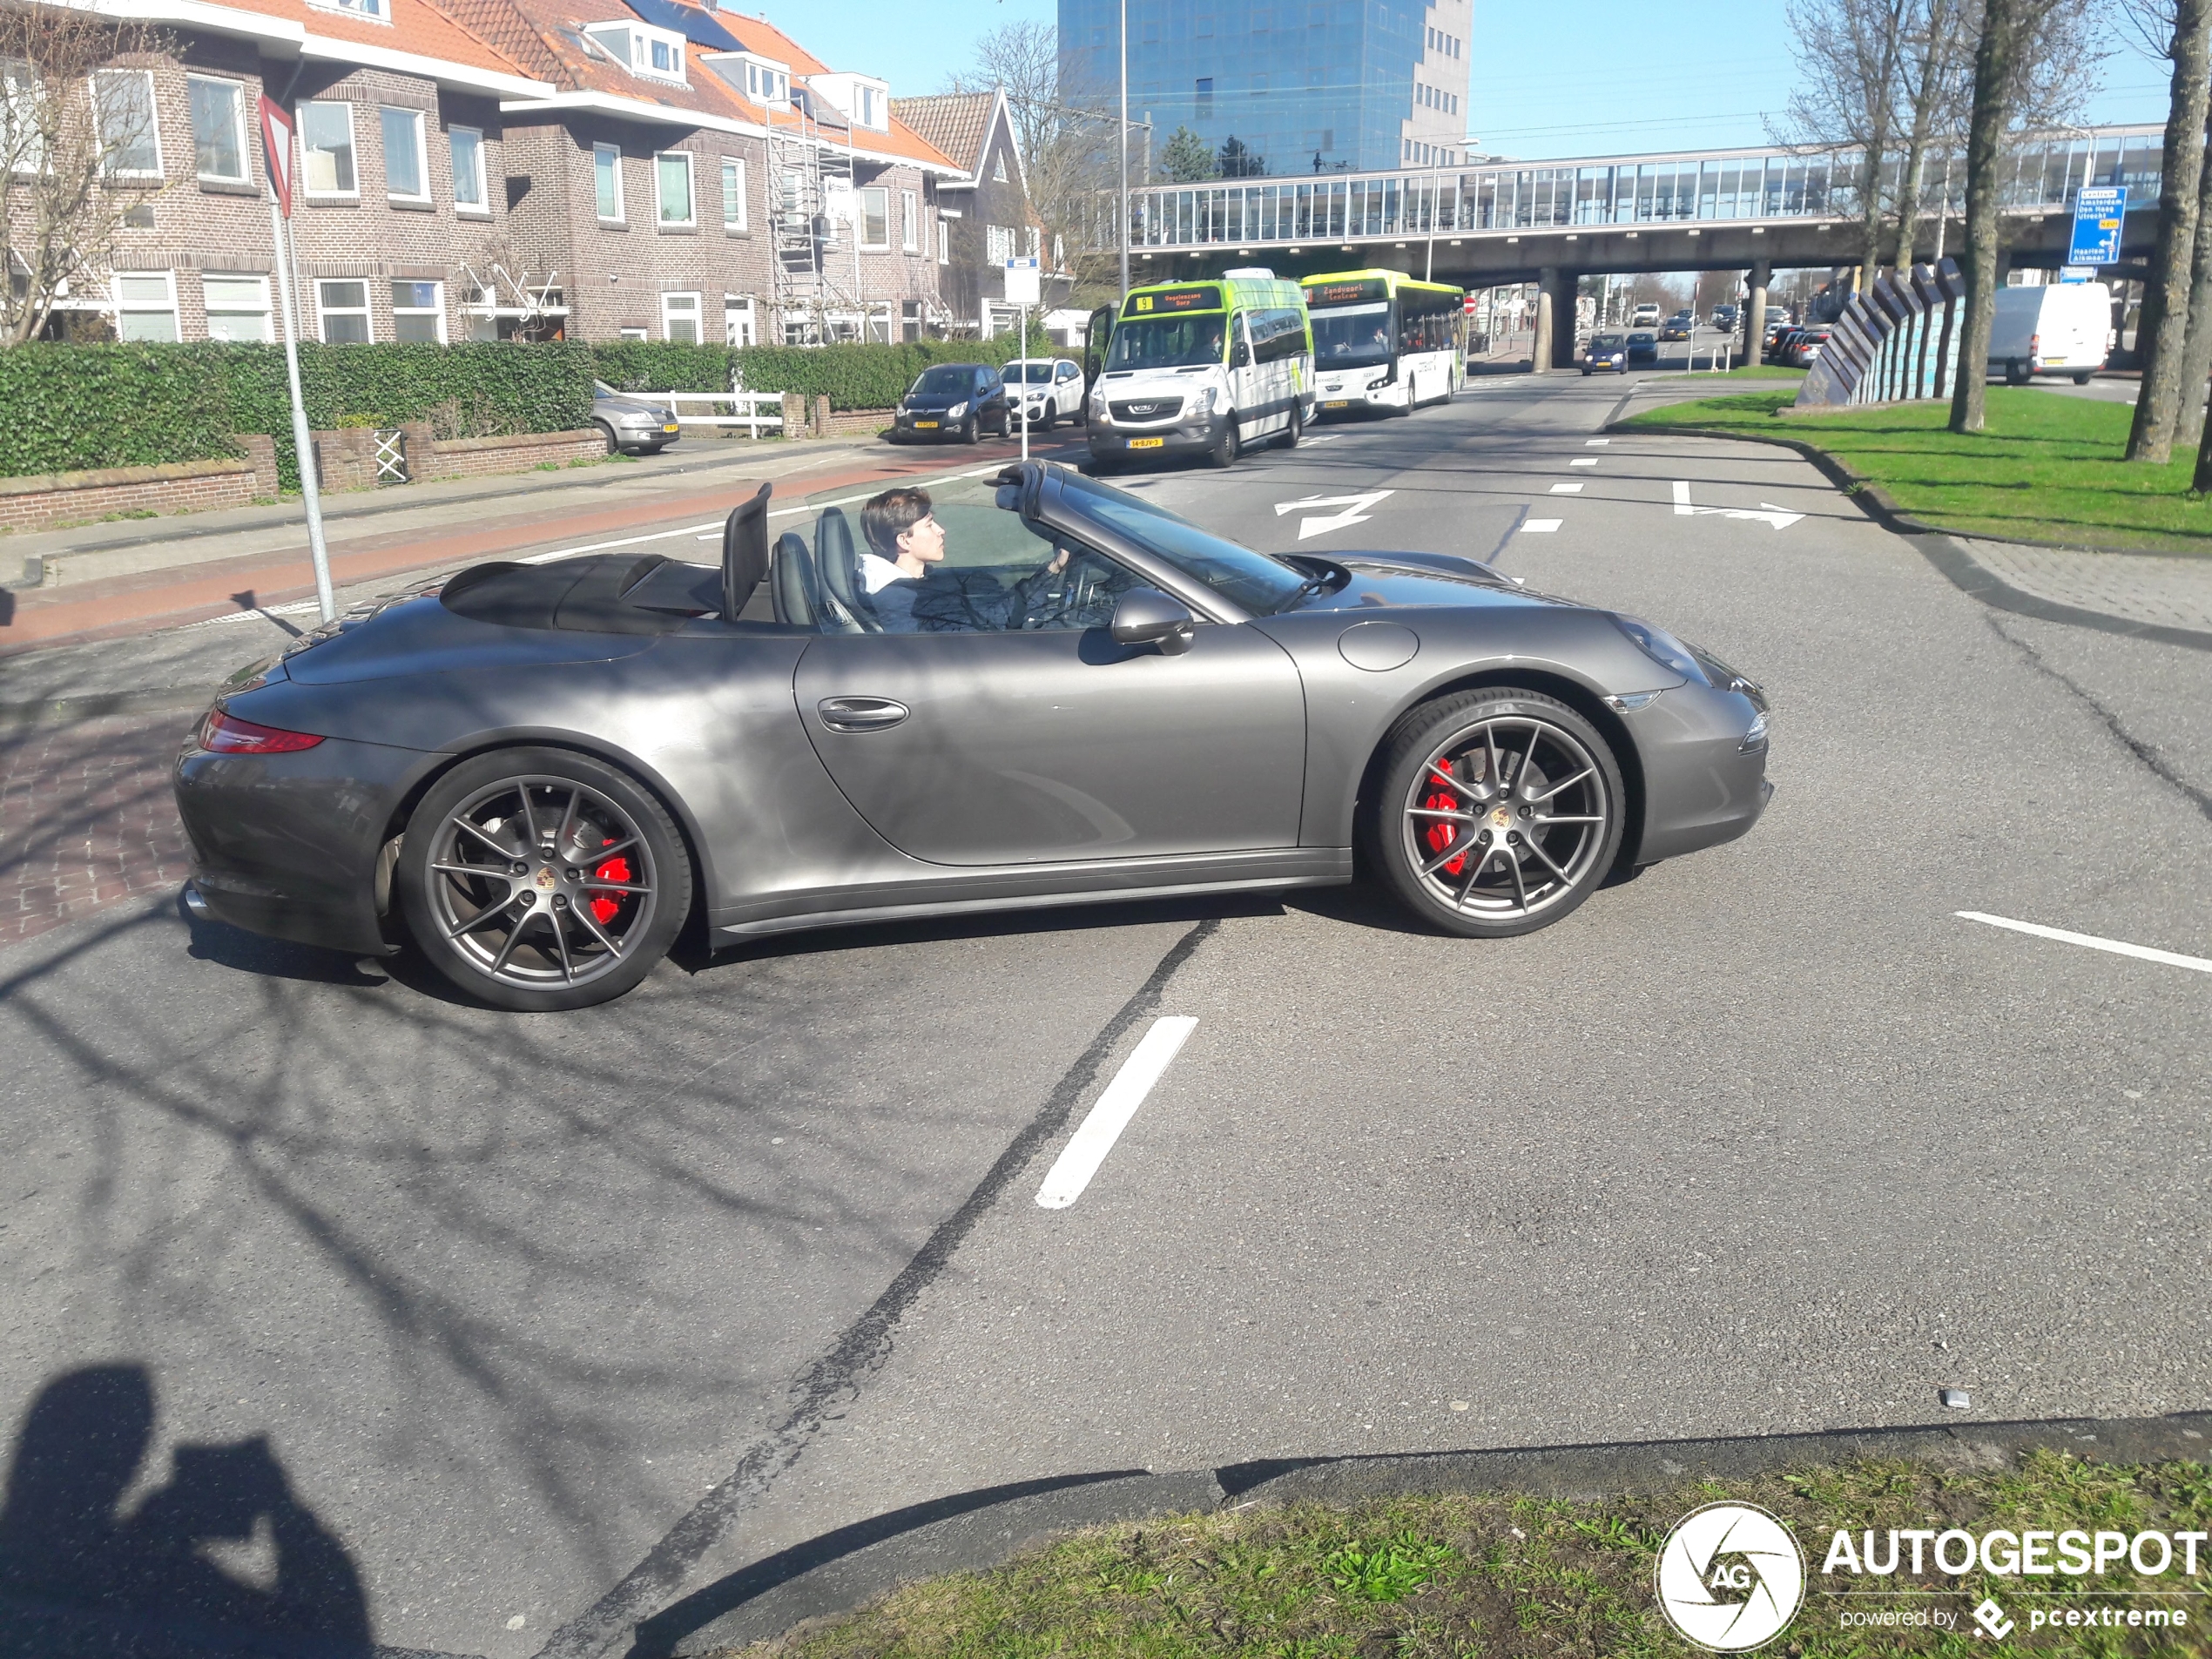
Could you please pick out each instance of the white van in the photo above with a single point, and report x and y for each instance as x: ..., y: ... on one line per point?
x: 2058, y: 329
x: 1202, y: 367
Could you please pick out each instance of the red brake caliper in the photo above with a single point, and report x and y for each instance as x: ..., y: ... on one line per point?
x: 1440, y: 835
x: 605, y: 906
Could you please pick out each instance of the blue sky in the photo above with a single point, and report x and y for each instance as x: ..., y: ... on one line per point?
x: 1591, y: 77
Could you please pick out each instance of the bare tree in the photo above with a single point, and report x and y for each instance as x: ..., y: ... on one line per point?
x: 1021, y: 59
x: 2035, y: 62
x: 76, y: 125
x: 2161, y: 333
x: 1935, y: 83
x: 1848, y: 51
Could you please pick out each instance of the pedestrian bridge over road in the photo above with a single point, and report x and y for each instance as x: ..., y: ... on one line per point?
x: 1553, y: 220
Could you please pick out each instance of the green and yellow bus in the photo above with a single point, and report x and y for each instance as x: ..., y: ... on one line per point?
x: 1199, y: 368
x: 1384, y: 340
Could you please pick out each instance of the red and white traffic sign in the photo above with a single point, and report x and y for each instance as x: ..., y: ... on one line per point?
x: 276, y: 149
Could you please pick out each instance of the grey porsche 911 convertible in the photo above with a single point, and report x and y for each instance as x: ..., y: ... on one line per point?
x: 540, y: 773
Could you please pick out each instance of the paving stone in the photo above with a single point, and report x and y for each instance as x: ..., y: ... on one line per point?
x: 2137, y: 587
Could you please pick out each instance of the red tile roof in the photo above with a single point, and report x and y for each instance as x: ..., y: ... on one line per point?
x: 414, y: 27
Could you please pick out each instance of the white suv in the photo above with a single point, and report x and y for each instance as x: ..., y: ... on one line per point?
x: 1043, y: 391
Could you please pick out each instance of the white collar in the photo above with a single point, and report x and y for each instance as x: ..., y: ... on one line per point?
x: 878, y: 572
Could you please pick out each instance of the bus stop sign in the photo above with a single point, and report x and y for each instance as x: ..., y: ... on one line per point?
x: 2098, y: 211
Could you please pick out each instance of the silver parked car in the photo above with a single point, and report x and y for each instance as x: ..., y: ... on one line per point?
x: 632, y: 423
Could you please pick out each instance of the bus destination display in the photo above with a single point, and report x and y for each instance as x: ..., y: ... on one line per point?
x: 1346, y: 293
x: 1172, y: 301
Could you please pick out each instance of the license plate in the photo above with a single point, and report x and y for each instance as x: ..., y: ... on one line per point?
x: 1146, y: 443
x: 671, y: 427
x: 1340, y: 403
x: 920, y: 425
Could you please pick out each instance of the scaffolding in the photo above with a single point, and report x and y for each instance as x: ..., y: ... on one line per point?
x: 806, y: 168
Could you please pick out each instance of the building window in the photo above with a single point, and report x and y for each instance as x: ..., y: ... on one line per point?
x: 238, y: 307
x: 125, y: 101
x: 218, y: 129
x: 606, y: 174
x: 1205, y: 95
x: 944, y: 243
x: 732, y: 194
x: 419, y: 313
x: 146, y: 306
x: 868, y: 106
x: 631, y: 332
x: 875, y: 217
x: 343, y: 309
x: 468, y: 171
x: 326, y: 149
x: 739, y: 325
x: 679, y: 318
x: 909, y: 221
x: 672, y: 186
x: 405, y: 177
x: 998, y: 167
x: 375, y: 9
x: 998, y: 244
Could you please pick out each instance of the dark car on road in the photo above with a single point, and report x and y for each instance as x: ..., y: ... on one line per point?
x: 1606, y: 351
x: 1643, y: 347
x: 1677, y: 328
x: 953, y: 401
x: 537, y: 775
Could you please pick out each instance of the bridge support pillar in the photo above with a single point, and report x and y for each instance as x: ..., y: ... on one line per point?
x: 1756, y: 282
x: 1554, y: 343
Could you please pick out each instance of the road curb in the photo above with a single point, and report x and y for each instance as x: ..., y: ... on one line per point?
x: 1942, y: 548
x: 845, y: 1570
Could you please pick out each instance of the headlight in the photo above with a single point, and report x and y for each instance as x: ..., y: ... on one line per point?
x: 956, y: 411
x: 1756, y: 738
x: 1206, y: 406
x: 1662, y: 648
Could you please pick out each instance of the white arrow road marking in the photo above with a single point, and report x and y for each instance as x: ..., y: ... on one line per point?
x: 1072, y: 1170
x: 1355, y: 511
x: 1774, y: 517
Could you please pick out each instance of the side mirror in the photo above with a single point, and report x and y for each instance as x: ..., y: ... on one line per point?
x: 1147, y: 617
x: 1240, y: 356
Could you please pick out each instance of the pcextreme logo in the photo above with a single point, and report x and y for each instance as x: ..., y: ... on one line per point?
x: 1730, y: 1577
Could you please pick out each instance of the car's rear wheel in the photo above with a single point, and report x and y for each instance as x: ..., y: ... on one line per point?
x: 1499, y: 813
x: 1295, y: 430
x: 540, y: 879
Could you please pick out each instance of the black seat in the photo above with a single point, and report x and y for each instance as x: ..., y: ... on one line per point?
x: 837, y: 562
x: 795, y: 590
x: 745, y: 552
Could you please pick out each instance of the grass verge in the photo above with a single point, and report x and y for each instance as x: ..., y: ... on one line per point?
x: 1744, y: 371
x: 2047, y: 468
x: 1505, y: 1577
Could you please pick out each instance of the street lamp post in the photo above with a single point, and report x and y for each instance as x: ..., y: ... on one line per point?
x: 1121, y: 233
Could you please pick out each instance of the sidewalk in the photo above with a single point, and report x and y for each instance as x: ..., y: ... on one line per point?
x: 255, y: 558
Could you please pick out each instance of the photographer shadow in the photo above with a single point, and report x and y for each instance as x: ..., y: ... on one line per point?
x: 223, y: 1558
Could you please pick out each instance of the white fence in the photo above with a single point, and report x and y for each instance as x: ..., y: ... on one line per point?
x: 751, y: 410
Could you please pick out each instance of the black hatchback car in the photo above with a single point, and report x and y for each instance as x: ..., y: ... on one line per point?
x: 953, y: 401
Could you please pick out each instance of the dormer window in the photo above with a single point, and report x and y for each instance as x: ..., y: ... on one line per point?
x: 870, y: 107
x: 762, y: 80
x: 863, y: 101
x: 656, y: 53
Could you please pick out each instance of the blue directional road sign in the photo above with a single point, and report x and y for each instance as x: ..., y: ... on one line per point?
x: 2098, y: 211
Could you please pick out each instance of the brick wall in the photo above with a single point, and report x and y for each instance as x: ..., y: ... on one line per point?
x: 44, y: 500
x: 476, y: 457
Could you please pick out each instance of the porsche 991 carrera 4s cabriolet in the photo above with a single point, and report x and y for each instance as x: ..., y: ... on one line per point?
x: 538, y: 773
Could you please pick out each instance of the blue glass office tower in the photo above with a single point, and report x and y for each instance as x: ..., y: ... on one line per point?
x: 1356, y: 84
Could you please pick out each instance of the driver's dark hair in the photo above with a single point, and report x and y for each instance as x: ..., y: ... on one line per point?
x: 889, y: 516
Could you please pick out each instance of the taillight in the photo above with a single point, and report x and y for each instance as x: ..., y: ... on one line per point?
x: 2035, y: 345
x: 225, y: 734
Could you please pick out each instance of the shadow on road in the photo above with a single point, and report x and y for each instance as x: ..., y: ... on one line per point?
x: 82, y: 1574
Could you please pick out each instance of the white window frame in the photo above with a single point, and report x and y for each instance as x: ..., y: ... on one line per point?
x: 740, y: 321
x: 734, y: 166
x: 600, y: 153
x: 632, y: 45
x: 165, y: 306
x: 237, y: 90
x: 411, y: 120
x: 691, y: 192
x: 632, y: 332
x: 480, y: 208
x: 695, y: 314
x: 353, y: 151
x: 366, y: 311
x: 211, y: 309
x: 944, y: 242
x: 860, y: 217
x: 909, y: 221
x: 375, y: 10
x: 436, y: 310
x: 871, y: 106
x: 145, y: 77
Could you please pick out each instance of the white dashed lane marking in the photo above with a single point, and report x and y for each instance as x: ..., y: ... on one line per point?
x: 1072, y: 1170
x: 2090, y: 942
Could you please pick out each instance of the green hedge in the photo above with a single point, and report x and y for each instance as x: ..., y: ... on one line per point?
x: 853, y: 377
x: 69, y: 409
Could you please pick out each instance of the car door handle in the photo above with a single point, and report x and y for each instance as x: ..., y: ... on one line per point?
x: 860, y: 713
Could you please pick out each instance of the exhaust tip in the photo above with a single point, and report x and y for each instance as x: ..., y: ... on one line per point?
x: 196, y: 904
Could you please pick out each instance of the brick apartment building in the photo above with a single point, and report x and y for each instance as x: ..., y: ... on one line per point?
x: 991, y: 217
x: 483, y: 169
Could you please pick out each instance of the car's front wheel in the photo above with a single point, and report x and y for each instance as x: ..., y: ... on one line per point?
x: 608, y: 433
x: 540, y: 879
x: 1499, y: 811
x: 1223, y: 452
x: 967, y: 431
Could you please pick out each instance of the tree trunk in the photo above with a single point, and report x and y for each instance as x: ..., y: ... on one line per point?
x: 1995, y: 54
x: 2196, y: 356
x: 1908, y: 201
x: 2151, y: 437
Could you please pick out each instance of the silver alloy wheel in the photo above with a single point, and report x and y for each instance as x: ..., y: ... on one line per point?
x: 541, y: 882
x: 1506, y: 817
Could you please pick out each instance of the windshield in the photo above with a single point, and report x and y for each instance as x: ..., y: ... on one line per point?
x: 1031, y: 374
x: 1250, y: 580
x: 600, y: 388
x: 945, y: 377
x: 1349, y: 335
x: 1168, y: 342
x: 1606, y: 342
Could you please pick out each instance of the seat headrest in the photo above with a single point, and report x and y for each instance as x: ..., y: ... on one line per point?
x: 745, y: 552
x: 795, y: 590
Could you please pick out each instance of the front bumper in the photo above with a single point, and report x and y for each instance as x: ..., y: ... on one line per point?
x: 1387, y: 394
x: 1701, y: 785
x: 287, y: 844
x: 908, y: 423
x: 1183, y: 438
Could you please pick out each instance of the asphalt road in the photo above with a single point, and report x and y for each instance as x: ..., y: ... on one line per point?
x: 1764, y: 1139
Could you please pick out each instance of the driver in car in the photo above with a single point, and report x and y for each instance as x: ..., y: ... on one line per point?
x: 912, y: 593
